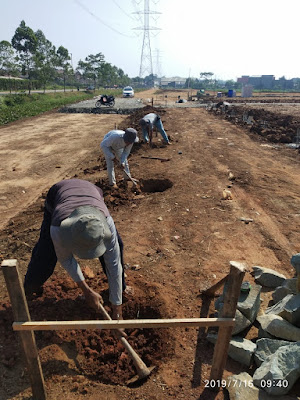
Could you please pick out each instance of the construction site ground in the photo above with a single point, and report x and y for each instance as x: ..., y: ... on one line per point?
x: 179, y: 236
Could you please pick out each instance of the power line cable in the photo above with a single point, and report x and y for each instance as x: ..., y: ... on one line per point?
x: 128, y: 15
x: 100, y: 20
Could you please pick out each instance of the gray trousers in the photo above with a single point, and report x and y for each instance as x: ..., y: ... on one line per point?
x: 110, y: 165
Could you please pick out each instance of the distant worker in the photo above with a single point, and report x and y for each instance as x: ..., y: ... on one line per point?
x: 223, y: 105
x: 180, y: 100
x: 148, y: 122
x: 77, y: 223
x: 118, y: 144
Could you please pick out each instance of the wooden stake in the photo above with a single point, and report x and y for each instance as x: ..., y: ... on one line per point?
x: 123, y: 324
x: 21, y: 313
x: 156, y: 158
x: 235, y: 279
x: 212, y: 290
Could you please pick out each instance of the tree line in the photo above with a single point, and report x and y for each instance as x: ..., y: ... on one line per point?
x: 31, y: 55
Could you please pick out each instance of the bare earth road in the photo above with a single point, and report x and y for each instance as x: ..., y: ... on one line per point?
x: 37, y: 152
x: 179, y: 240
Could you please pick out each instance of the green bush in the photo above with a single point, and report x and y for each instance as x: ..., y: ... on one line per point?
x: 11, y: 84
x: 14, y: 99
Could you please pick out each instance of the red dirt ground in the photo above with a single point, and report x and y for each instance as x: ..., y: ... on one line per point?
x: 179, y: 237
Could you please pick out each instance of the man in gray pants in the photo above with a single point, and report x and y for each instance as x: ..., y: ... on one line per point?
x: 77, y: 223
x: 117, y: 144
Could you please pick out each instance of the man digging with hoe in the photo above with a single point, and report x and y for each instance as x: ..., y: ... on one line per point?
x: 117, y: 144
x: 77, y: 222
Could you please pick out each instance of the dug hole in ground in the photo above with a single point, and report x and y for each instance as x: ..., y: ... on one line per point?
x: 179, y: 234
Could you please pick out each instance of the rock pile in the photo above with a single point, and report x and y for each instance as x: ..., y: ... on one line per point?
x: 275, y: 352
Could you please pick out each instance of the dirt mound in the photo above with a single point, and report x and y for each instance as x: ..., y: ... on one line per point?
x: 133, y: 120
x: 261, y: 100
x: 269, y: 126
x: 96, y: 354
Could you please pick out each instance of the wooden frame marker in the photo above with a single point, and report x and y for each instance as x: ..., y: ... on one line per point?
x: 123, y: 324
x: 234, y: 281
x: 25, y: 326
x: 21, y: 313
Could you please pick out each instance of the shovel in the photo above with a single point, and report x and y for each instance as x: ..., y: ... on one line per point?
x: 142, y: 370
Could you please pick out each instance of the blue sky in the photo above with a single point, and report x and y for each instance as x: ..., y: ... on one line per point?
x: 229, y: 38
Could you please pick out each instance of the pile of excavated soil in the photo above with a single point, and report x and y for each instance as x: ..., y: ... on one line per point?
x: 267, y: 125
x: 134, y: 119
x: 93, y: 353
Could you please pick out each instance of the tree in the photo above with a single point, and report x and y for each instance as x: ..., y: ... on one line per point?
x: 207, y: 77
x: 149, y: 80
x: 63, y: 58
x: 123, y: 79
x: 138, y: 80
x: 7, y: 59
x: 230, y: 84
x: 107, y: 75
x: 24, y: 42
x: 44, y: 59
x: 91, y: 67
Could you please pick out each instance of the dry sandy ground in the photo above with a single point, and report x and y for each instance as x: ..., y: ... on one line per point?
x: 38, y: 152
x: 182, y: 239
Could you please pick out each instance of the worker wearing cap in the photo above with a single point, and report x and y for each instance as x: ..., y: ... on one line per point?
x: 118, y: 144
x: 148, y: 122
x: 77, y: 223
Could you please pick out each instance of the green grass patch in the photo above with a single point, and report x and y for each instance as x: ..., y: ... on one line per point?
x: 18, y: 106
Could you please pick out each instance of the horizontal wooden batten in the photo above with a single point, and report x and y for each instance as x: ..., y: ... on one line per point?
x: 122, y: 324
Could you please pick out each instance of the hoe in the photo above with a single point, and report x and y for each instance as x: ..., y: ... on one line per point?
x: 142, y: 370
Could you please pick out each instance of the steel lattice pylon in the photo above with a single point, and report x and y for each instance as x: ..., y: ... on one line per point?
x: 146, y: 66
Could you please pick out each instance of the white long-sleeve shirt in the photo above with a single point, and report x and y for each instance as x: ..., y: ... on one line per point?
x: 113, y: 142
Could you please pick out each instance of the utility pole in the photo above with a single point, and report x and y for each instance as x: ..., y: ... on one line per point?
x: 146, y: 66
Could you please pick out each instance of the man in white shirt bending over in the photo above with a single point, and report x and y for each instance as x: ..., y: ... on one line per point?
x: 117, y: 144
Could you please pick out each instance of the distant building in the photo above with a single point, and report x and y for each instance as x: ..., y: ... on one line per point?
x: 267, y: 81
x: 258, y: 82
x: 174, y: 82
x: 243, y: 80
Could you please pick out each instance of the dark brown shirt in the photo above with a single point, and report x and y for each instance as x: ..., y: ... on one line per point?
x: 65, y: 196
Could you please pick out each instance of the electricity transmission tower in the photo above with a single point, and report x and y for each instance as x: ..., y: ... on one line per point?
x: 146, y: 67
x: 158, y: 63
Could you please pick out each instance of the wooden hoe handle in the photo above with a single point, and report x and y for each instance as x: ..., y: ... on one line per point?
x: 141, y: 367
x: 135, y: 184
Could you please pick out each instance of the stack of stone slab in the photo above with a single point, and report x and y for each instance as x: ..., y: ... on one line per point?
x: 276, y: 351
